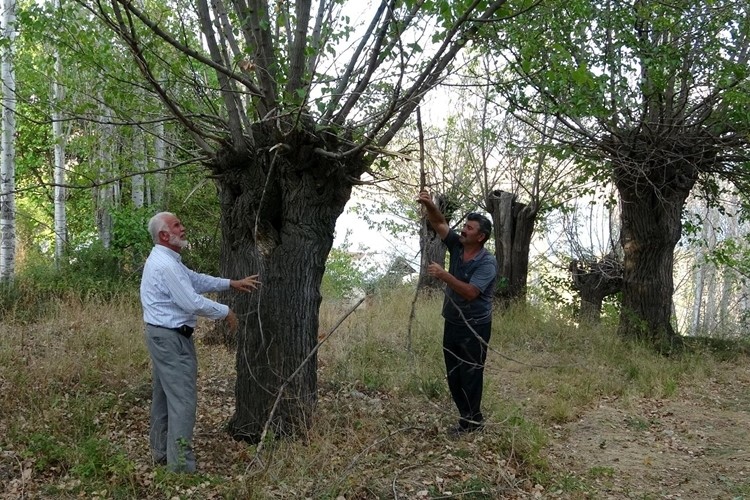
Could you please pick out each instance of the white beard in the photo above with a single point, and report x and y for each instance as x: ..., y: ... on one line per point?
x: 176, y: 241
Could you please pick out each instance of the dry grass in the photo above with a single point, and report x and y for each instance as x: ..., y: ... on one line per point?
x: 74, y: 396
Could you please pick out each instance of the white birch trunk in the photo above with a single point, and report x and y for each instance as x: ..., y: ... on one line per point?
x: 7, y: 144
x: 729, y: 277
x: 700, y: 273
x: 160, y: 176
x: 105, y: 196
x: 711, y: 318
x: 137, y: 182
x: 61, y: 222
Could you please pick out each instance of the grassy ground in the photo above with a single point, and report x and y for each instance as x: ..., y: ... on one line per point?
x: 75, y: 390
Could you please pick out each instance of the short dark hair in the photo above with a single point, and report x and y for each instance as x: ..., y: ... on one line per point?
x: 485, y: 225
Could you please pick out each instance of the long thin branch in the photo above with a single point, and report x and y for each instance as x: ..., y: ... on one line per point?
x: 227, y: 93
x: 372, y: 65
x: 344, y: 81
x: 98, y: 183
x: 298, y: 46
x: 325, y: 12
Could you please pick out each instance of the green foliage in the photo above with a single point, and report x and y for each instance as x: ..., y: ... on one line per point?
x: 93, y: 273
x: 99, y: 459
x: 608, y: 67
x: 342, y: 274
x: 557, y: 291
x: 46, y: 450
x: 131, y: 241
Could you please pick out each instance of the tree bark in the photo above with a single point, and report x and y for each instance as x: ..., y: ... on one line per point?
x: 160, y: 176
x: 594, y: 281
x: 278, y: 220
x: 431, y: 247
x: 138, y: 180
x: 514, y: 226
x: 654, y: 176
x: 59, y: 137
x: 650, y: 232
x: 105, y: 194
x: 7, y: 144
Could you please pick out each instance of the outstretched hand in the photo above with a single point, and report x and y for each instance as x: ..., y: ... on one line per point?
x: 246, y: 284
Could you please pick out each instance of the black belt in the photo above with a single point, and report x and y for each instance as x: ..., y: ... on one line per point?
x: 184, y: 330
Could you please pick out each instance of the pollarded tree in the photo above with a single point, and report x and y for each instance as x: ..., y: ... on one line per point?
x: 655, y: 94
x: 287, y: 117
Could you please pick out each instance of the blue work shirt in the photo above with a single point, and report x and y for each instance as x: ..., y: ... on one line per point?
x: 481, y: 271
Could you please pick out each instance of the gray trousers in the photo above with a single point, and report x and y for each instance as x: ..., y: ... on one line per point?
x: 174, y: 398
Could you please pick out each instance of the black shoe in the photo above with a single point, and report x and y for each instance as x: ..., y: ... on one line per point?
x: 464, y: 427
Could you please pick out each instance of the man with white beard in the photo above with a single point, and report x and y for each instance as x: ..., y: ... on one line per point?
x: 172, y: 301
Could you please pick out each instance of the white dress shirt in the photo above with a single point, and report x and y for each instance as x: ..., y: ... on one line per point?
x: 170, y: 292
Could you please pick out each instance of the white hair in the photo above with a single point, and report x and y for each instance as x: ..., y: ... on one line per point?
x: 157, y: 223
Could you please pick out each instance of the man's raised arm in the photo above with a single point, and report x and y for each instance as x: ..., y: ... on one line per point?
x: 434, y: 216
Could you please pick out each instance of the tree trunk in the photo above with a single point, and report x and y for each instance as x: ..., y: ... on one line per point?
x: 653, y: 184
x: 159, y: 184
x: 278, y: 219
x: 138, y: 180
x: 649, y: 234
x: 594, y: 281
x: 514, y: 227
x: 698, y: 286
x: 431, y: 247
x: 105, y: 194
x: 59, y: 137
x: 7, y: 144
x: 710, y: 317
x: 729, y: 277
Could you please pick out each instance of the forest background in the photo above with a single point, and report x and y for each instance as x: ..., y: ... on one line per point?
x: 605, y: 140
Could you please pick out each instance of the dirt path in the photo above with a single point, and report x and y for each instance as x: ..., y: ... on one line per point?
x: 694, y: 446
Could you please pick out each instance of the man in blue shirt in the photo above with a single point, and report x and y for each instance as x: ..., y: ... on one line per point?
x: 467, y: 309
x: 172, y: 301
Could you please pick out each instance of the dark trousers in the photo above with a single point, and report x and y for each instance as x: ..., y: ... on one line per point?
x: 464, y: 355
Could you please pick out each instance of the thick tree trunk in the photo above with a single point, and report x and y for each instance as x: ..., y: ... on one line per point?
x: 650, y: 232
x: 278, y: 219
x: 653, y: 195
x: 514, y: 226
x: 655, y: 167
